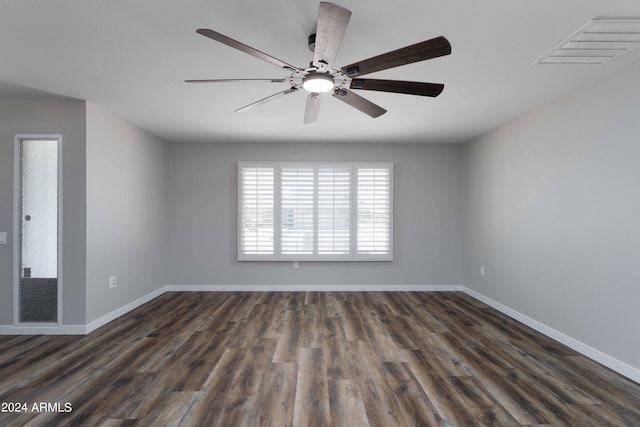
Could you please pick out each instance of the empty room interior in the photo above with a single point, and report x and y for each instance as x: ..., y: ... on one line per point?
x: 294, y: 213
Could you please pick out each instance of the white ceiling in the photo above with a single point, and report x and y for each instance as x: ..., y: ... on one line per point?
x: 132, y: 57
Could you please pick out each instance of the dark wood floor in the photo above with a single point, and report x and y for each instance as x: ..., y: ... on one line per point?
x: 311, y: 359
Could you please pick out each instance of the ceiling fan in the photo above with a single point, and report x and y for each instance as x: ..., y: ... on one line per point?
x: 321, y: 76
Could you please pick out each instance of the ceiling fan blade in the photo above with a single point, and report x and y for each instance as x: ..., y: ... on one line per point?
x: 332, y: 24
x: 360, y: 103
x: 267, y: 99
x: 244, y: 48
x: 312, y: 108
x: 398, y: 86
x: 235, y: 80
x: 428, y: 49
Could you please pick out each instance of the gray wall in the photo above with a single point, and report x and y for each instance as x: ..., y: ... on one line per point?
x: 427, y: 223
x: 50, y: 117
x: 553, y: 212
x: 127, y: 212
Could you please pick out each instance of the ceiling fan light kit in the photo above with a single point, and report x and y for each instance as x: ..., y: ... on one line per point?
x: 320, y: 77
x: 318, y: 82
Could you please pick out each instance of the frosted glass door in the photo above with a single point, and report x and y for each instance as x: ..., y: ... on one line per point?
x: 39, y: 230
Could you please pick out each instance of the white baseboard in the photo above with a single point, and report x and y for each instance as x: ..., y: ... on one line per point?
x: 590, y: 352
x: 313, y: 288
x: 43, y: 329
x: 101, y: 321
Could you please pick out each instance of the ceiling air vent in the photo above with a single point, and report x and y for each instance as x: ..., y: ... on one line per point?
x: 599, y: 41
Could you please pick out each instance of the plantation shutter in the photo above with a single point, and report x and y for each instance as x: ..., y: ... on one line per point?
x: 334, y: 210
x: 297, y: 186
x: 256, y: 209
x: 374, y: 210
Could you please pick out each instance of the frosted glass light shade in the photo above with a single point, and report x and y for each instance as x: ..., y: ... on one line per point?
x: 318, y: 83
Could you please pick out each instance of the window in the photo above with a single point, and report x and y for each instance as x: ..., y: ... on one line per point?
x: 315, y: 211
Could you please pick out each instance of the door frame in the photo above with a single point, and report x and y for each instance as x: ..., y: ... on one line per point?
x: 17, y: 217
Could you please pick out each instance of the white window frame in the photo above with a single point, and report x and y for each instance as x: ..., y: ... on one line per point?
x: 277, y: 205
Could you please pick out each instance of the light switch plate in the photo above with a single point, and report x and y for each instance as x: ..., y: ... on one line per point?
x: 3, y: 237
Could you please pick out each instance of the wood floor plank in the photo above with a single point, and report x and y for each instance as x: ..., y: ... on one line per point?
x: 277, y: 402
x: 188, y: 368
x: 422, y: 315
x: 313, y: 326
x: 311, y: 359
x: 311, y: 406
x: 619, y: 398
x: 277, y: 320
x: 352, y: 321
x: 296, y: 300
x: 380, y: 404
x: 515, y: 401
x: 171, y: 409
x: 291, y: 339
x: 36, y: 362
x: 332, y: 306
x: 207, y: 409
x: 382, y: 342
x: 484, y: 409
x: 342, y: 359
x: 416, y: 408
x: 346, y: 405
x: 392, y: 326
x: 220, y: 315
x: 241, y: 397
x: 434, y: 382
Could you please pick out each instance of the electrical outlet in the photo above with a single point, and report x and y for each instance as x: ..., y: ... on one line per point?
x: 482, y: 270
x: 295, y: 264
x: 112, y: 282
